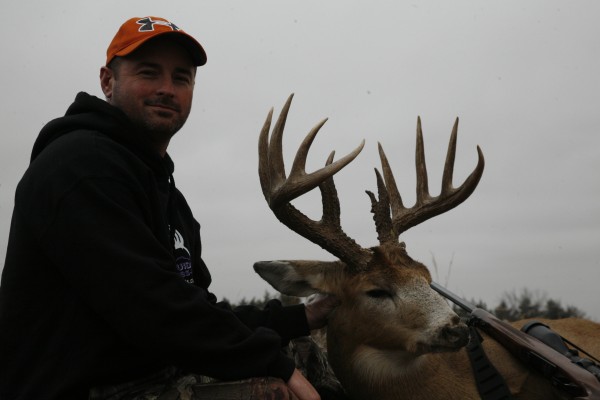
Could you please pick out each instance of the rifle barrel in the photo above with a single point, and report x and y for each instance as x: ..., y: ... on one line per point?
x: 462, y: 303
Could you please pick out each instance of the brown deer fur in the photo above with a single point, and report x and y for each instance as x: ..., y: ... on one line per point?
x: 371, y: 346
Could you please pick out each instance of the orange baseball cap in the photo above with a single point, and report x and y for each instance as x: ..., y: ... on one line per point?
x: 137, y: 31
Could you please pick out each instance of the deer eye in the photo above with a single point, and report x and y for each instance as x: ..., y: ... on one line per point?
x: 379, y: 294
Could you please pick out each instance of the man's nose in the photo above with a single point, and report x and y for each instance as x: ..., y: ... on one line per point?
x: 166, y: 87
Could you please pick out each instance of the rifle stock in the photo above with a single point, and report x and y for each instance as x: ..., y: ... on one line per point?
x: 574, y: 380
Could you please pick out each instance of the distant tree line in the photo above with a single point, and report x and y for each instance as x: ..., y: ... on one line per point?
x: 513, y: 306
x: 261, y: 302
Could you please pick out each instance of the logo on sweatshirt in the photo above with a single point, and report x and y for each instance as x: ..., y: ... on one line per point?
x: 183, y: 261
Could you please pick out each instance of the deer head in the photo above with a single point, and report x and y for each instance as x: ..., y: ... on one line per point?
x: 388, y: 313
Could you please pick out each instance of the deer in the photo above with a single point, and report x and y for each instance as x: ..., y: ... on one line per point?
x: 391, y: 336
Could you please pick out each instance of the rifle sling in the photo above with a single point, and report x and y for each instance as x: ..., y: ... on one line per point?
x: 490, y: 383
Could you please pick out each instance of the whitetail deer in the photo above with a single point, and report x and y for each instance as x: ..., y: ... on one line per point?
x: 392, y: 336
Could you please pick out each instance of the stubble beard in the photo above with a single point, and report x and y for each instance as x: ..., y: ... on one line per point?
x: 158, y: 126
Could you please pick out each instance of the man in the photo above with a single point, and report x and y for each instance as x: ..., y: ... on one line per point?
x: 103, y: 281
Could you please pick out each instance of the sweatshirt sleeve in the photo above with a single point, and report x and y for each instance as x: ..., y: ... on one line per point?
x: 103, y: 244
x: 289, y: 321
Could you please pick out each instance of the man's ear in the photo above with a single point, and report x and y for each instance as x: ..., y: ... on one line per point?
x: 299, y: 278
x: 107, y: 78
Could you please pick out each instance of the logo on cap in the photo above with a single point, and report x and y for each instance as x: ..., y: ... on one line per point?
x: 147, y: 24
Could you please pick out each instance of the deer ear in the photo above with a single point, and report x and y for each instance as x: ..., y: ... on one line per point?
x: 295, y: 277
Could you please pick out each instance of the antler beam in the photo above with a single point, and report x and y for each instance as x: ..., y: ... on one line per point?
x: 279, y: 191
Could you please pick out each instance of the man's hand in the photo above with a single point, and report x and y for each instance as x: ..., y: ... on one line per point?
x: 301, y: 387
x: 318, y: 308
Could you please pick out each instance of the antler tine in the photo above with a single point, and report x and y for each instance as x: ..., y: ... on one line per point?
x: 271, y: 168
x: 279, y: 190
x: 422, y: 180
x: 390, y: 182
x: 450, y: 157
x: 331, y: 203
x: 425, y: 207
x: 469, y: 185
x: 284, y: 190
x: 263, y: 157
x: 471, y: 182
x: 381, y: 210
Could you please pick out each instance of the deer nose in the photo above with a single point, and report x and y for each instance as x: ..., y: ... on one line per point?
x: 456, y: 335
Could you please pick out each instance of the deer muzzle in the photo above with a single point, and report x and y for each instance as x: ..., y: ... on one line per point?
x: 456, y: 336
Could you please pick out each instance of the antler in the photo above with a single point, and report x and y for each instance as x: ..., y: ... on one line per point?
x: 402, y: 218
x: 279, y: 191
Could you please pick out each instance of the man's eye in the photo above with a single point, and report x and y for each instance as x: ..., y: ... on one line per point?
x: 379, y: 294
x: 183, y: 79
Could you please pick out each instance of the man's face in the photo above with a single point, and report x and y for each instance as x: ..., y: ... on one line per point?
x: 154, y: 86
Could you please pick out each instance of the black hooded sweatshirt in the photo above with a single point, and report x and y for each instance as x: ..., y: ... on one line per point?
x: 103, y: 280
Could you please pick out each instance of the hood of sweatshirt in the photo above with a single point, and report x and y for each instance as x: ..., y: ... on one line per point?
x: 91, y: 113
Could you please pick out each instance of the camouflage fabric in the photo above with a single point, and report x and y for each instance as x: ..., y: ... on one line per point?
x: 175, y: 384
x: 311, y: 359
x: 169, y: 384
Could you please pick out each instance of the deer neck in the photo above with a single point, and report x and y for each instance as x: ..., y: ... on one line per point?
x: 368, y: 372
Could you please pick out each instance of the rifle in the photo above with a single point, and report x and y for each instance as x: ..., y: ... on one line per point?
x: 562, y: 371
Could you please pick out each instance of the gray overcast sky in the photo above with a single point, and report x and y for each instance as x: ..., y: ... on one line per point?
x: 522, y: 77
